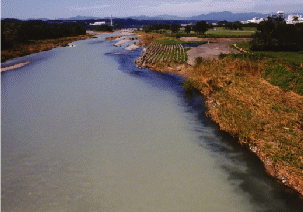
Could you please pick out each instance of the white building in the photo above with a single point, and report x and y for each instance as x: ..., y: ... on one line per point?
x: 184, y: 25
x: 98, y: 23
x: 281, y: 14
x: 294, y: 19
x: 255, y: 20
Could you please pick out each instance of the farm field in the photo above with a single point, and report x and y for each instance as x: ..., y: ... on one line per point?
x: 227, y: 32
x: 293, y: 57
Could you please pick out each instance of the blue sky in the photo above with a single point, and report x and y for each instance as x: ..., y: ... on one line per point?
x: 24, y: 9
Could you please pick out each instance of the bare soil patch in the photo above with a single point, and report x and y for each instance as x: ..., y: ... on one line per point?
x: 212, y: 49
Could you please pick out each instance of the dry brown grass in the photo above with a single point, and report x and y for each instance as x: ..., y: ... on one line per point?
x: 264, y: 117
x: 148, y: 38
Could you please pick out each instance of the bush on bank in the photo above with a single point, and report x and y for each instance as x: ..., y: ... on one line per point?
x: 26, y: 32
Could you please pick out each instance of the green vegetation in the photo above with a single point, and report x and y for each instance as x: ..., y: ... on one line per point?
x: 261, y: 114
x: 157, y: 52
x: 284, y: 78
x: 201, y: 27
x: 201, y: 30
x: 30, y: 31
x: 256, y: 97
x: 23, y: 38
x: 104, y: 28
x: 20, y: 50
x: 230, y: 33
x: 165, y: 50
x: 277, y: 72
x: 275, y: 36
x: 293, y: 57
x: 216, y: 34
x: 254, y: 29
x: 170, y: 41
x: 187, y: 29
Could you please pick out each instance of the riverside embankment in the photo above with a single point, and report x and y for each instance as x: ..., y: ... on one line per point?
x: 265, y: 118
x: 39, y: 46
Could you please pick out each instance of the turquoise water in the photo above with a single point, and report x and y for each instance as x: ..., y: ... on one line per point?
x: 83, y: 129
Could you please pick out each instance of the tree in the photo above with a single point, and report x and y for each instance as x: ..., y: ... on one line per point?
x: 237, y: 25
x: 104, y: 28
x: 266, y: 29
x: 295, y: 19
x: 278, y: 37
x: 200, y: 27
x: 174, y: 28
x: 187, y: 29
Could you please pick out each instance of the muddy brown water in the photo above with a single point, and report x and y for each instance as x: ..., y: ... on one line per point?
x: 83, y: 129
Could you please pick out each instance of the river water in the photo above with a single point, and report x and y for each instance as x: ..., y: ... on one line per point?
x: 83, y: 129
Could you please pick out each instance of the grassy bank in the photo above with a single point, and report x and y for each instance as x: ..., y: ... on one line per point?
x: 39, y: 46
x: 257, y: 99
x: 266, y: 118
x: 293, y: 57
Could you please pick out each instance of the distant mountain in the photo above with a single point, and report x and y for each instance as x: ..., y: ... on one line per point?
x: 228, y: 16
x: 210, y: 17
x: 38, y: 19
x: 143, y: 17
x: 170, y: 17
x: 77, y: 18
x: 219, y: 16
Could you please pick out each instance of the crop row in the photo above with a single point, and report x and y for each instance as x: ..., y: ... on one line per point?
x: 163, y: 53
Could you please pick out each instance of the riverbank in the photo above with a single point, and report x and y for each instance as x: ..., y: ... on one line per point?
x: 39, y: 46
x: 14, y: 66
x: 265, y: 118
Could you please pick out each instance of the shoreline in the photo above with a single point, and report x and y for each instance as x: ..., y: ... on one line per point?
x: 277, y: 171
x: 41, y: 45
x: 18, y: 65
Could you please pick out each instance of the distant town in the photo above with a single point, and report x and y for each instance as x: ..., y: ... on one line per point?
x: 292, y: 19
x: 279, y: 16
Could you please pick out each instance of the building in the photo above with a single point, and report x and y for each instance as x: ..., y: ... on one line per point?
x: 184, y: 25
x: 255, y: 20
x: 279, y: 17
x: 294, y: 19
x: 98, y: 23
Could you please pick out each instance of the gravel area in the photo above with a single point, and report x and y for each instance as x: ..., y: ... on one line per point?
x: 212, y: 49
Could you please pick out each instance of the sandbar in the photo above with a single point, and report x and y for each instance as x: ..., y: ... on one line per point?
x: 15, y: 66
x: 121, y: 42
x: 132, y: 47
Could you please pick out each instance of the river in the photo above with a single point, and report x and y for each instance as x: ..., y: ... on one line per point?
x: 83, y: 129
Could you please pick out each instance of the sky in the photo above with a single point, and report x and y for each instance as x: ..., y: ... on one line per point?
x: 52, y: 9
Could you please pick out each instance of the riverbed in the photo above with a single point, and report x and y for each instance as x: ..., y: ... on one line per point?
x: 83, y: 129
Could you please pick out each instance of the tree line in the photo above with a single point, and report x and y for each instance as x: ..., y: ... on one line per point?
x: 104, y: 28
x: 200, y: 27
x: 13, y: 33
x: 154, y: 27
x: 275, y: 36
